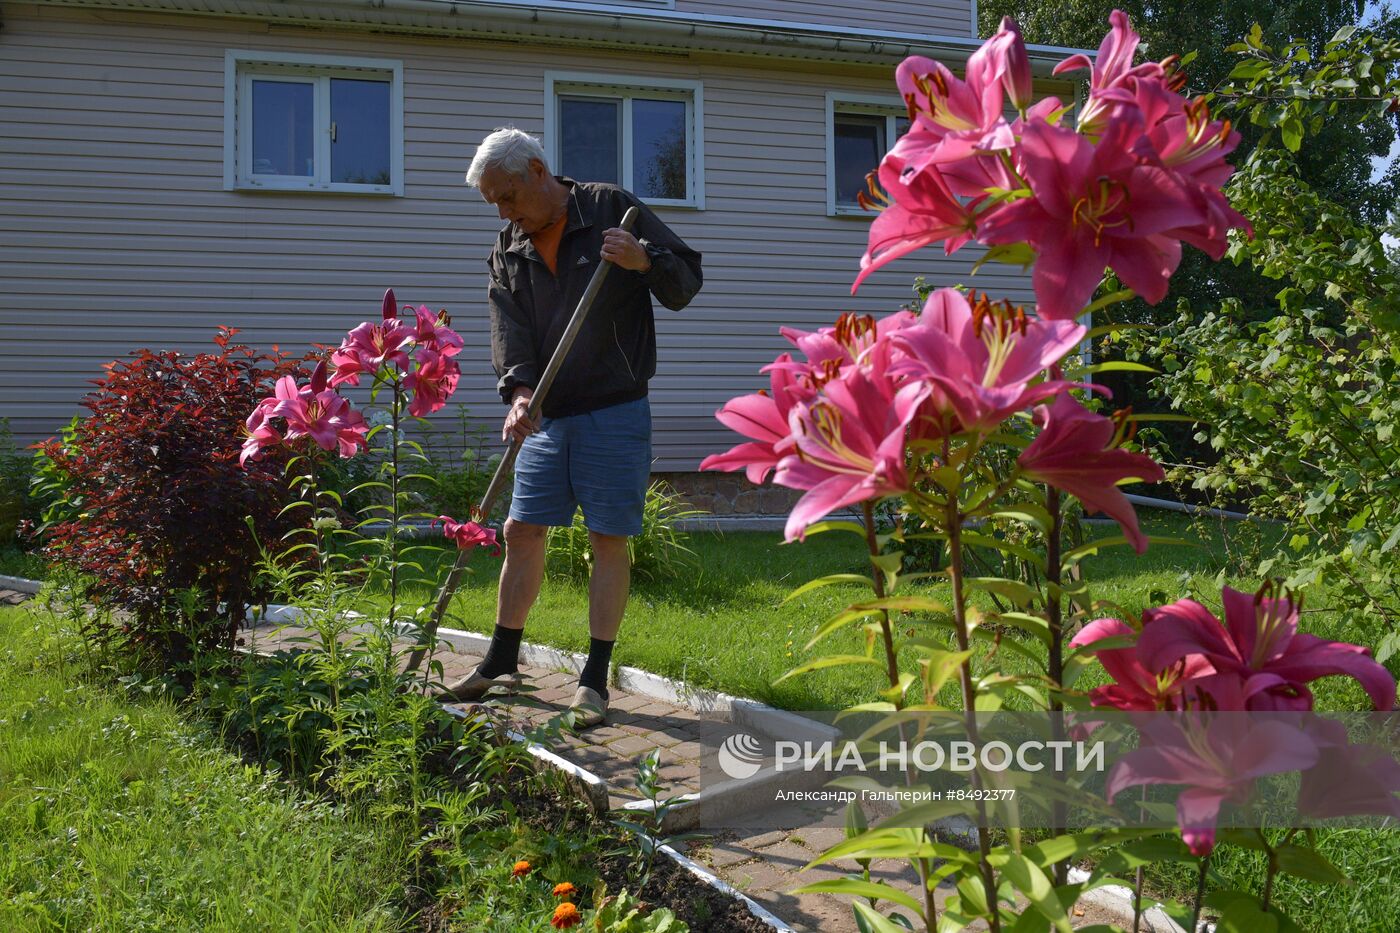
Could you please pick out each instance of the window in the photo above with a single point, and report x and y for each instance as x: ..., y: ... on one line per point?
x: 312, y: 123
x: 860, y: 130
x: 644, y: 134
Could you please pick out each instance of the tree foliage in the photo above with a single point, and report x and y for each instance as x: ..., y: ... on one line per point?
x: 1302, y: 405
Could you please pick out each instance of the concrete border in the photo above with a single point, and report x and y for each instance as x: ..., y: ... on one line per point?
x: 724, y: 887
x: 1119, y: 900
x: 20, y: 584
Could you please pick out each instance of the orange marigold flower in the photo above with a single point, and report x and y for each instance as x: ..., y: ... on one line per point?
x: 521, y: 867
x: 565, y: 915
x: 565, y: 889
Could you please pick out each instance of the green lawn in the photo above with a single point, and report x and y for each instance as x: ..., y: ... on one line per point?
x: 121, y: 816
x: 726, y: 625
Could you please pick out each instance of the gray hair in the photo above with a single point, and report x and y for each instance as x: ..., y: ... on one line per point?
x: 507, y: 148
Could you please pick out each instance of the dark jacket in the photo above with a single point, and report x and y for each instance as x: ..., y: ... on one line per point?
x: 615, y: 353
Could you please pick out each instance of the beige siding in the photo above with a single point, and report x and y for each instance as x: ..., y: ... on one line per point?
x: 926, y: 18
x: 117, y: 233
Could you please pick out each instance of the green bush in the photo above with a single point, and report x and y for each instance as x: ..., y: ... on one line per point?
x: 660, y: 552
x: 14, y: 484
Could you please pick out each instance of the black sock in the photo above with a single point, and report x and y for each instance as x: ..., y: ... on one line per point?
x: 595, y: 672
x: 503, y: 656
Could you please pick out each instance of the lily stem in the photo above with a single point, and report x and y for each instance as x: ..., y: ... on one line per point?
x: 954, y: 520
x: 1200, y: 894
x: 877, y: 582
x: 1054, y: 611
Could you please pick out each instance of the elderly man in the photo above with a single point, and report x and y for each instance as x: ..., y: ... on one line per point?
x: 592, y: 445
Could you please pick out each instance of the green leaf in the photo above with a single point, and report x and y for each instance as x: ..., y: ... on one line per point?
x: 977, y: 539
x: 1098, y: 544
x: 940, y: 667
x: 866, y: 889
x: 1026, y: 622
x: 902, y: 604
x: 1031, y: 881
x: 838, y: 621
x: 831, y: 660
x: 1103, y: 329
x: 1118, y: 366
x: 1012, y: 254
x: 855, y: 528
x: 828, y: 580
x: 1245, y: 916
x: 876, y: 921
x: 1112, y: 298
x: 895, y: 843
x: 1027, y: 512
x: 1014, y: 590
x: 1308, y: 864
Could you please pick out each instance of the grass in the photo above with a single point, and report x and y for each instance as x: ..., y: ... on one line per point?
x: 119, y: 815
x: 727, y: 626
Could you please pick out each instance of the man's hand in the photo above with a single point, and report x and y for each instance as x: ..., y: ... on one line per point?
x: 622, y: 249
x: 518, y: 423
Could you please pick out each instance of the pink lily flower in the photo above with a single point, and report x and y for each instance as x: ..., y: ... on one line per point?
x: 1260, y: 643
x: 984, y: 358
x: 319, y: 413
x: 918, y: 210
x: 372, y: 345
x: 1112, y: 75
x: 1137, y: 688
x: 1217, y: 757
x: 849, y: 445
x: 468, y: 535
x: 856, y: 338
x: 762, y: 416
x: 1080, y: 452
x: 434, y: 333
x: 1348, y: 780
x: 432, y: 383
x: 1016, y: 73
x: 260, y: 433
x: 1094, y: 206
x: 962, y: 116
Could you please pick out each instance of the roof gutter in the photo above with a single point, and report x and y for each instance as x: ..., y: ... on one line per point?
x: 590, y: 24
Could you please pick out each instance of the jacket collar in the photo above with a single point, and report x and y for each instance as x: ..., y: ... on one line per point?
x: 579, y: 211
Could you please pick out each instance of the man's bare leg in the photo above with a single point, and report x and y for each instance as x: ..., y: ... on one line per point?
x: 522, y: 572
x: 608, y: 585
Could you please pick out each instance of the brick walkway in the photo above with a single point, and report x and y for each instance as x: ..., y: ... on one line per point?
x: 12, y: 597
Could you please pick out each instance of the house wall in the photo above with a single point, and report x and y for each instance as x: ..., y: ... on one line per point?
x: 116, y: 233
x: 931, y: 17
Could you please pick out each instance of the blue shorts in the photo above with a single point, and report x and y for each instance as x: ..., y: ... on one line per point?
x: 600, y: 460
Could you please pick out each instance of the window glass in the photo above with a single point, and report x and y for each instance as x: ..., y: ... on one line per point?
x: 360, y: 132
x: 858, y: 144
x: 590, y: 138
x: 659, y: 148
x: 283, y: 113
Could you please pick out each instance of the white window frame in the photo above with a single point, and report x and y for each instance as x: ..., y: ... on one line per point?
x: 241, y: 66
x: 841, y: 102
x: 625, y: 88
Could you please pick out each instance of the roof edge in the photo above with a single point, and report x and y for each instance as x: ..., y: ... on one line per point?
x: 590, y: 24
